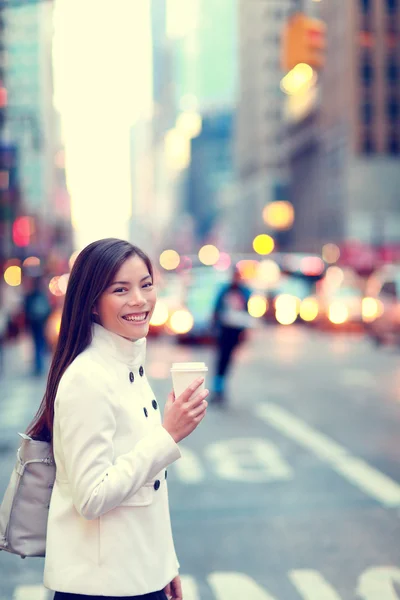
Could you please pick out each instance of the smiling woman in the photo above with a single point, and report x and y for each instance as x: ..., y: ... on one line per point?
x: 111, y: 446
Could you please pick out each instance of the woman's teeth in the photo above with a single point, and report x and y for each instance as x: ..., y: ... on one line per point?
x: 136, y: 318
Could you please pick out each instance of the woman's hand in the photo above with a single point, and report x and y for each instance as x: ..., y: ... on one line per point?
x: 174, y: 589
x: 183, y: 414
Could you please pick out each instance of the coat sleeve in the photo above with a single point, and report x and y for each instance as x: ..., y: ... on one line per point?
x: 87, y: 425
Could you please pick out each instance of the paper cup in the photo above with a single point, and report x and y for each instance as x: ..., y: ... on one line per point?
x: 184, y: 374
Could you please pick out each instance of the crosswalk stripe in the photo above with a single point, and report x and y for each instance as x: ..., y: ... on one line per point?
x: 30, y: 592
x: 237, y: 585
x: 312, y: 586
x: 357, y: 471
x: 377, y: 583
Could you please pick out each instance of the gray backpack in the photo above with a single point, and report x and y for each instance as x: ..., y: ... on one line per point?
x: 25, y: 506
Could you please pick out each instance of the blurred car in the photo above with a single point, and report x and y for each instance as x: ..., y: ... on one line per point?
x: 341, y: 308
x: 292, y: 299
x: 381, y: 305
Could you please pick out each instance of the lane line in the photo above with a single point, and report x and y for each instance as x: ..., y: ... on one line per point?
x: 312, y: 585
x: 357, y: 471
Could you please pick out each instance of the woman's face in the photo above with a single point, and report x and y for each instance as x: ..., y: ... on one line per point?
x: 126, y: 306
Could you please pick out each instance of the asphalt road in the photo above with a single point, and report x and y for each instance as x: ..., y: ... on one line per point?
x: 290, y: 492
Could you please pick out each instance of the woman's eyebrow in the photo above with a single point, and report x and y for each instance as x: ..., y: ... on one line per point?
x: 128, y: 282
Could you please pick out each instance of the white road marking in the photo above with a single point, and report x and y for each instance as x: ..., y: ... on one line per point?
x: 189, y: 468
x: 30, y: 592
x: 189, y: 588
x: 358, y: 472
x: 377, y: 583
x: 312, y: 586
x: 237, y: 585
x: 249, y: 460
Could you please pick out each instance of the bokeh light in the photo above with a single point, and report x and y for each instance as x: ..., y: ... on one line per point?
x: 63, y: 283
x: 371, y: 309
x: 263, y: 244
x: 13, y: 275
x: 209, y: 254
x: 279, y: 215
x: 181, y: 321
x: 338, y: 313
x: 224, y: 262
x: 189, y: 123
x: 309, y: 309
x: 257, y: 305
x: 160, y: 314
x: 286, y: 309
x: 330, y: 253
x: 31, y: 261
x: 169, y: 260
x: 54, y: 286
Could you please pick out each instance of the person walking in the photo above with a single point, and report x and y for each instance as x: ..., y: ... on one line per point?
x: 37, y: 310
x: 109, y: 532
x: 230, y: 320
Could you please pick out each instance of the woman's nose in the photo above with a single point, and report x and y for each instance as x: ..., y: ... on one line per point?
x: 137, y: 298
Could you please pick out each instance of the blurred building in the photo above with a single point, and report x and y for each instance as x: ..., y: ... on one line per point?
x: 205, y: 38
x: 167, y: 181
x: 262, y: 174
x: 202, y: 58
x: 32, y: 126
x: 211, y: 169
x: 344, y: 148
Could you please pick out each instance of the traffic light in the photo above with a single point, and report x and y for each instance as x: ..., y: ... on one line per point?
x: 303, y: 41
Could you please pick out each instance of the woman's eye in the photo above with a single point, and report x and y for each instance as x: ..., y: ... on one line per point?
x: 120, y: 290
x: 148, y: 285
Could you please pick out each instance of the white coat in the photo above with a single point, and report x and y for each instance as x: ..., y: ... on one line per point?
x: 109, y: 530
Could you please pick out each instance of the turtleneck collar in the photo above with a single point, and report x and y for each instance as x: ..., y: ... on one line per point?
x: 108, y: 342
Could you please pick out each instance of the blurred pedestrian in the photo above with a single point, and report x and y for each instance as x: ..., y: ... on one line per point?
x: 109, y: 532
x: 230, y: 320
x: 37, y: 310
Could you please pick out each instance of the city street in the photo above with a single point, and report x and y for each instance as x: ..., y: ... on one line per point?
x: 290, y: 492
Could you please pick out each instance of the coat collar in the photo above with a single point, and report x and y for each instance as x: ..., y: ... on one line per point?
x: 107, y: 342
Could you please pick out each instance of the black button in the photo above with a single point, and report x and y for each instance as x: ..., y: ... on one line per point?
x: 166, y: 473
x: 146, y: 414
x: 141, y: 371
x: 156, y: 484
x: 131, y: 377
x: 154, y: 403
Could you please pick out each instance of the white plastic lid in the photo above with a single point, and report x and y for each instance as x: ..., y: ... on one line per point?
x: 189, y: 366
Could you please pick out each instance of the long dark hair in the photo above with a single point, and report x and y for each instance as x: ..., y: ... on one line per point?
x: 93, y: 271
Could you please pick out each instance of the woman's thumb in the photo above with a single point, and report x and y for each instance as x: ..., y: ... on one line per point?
x: 171, y: 398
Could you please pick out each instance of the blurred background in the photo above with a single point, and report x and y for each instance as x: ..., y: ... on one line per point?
x: 261, y: 136
x: 209, y: 133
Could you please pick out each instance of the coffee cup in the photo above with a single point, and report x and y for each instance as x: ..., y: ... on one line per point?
x: 184, y: 374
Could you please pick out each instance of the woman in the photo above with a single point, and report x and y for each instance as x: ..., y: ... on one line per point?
x: 109, y: 532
